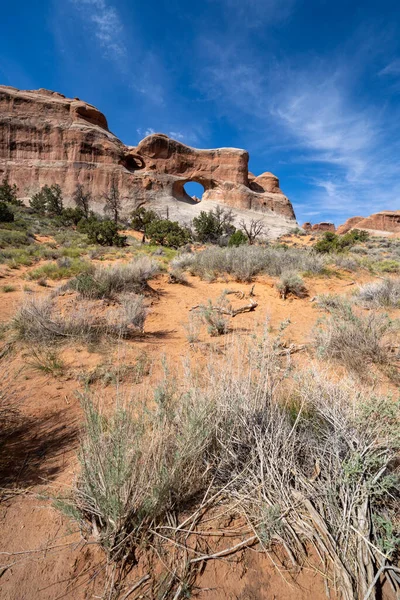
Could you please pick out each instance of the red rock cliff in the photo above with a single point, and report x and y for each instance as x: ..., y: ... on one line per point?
x: 46, y: 138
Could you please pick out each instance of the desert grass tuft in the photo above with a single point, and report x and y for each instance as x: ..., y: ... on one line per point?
x: 41, y: 320
x: 384, y: 293
x: 108, y: 282
x: 308, y: 461
x: 356, y: 340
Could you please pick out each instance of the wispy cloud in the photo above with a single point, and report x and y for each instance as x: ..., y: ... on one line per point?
x: 349, y: 148
x: 188, y: 137
x: 145, y: 132
x: 177, y: 135
x: 106, y: 25
x: 393, y: 68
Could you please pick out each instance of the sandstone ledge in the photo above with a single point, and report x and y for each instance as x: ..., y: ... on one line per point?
x: 46, y: 138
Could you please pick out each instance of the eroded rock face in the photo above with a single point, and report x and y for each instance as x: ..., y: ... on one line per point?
x: 384, y: 222
x: 46, y: 138
x: 323, y: 226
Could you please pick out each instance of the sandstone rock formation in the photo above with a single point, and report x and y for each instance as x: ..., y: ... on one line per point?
x: 46, y: 138
x: 323, y: 226
x: 381, y: 223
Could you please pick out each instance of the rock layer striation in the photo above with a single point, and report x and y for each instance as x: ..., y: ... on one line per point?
x: 46, y: 138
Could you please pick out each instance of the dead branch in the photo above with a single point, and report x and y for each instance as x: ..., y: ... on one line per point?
x: 292, y: 349
x: 135, y: 586
x: 245, y: 544
x: 252, y: 305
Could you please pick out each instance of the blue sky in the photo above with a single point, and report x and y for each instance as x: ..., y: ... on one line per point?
x: 310, y: 88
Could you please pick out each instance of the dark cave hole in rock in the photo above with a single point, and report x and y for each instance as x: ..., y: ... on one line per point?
x: 194, y: 190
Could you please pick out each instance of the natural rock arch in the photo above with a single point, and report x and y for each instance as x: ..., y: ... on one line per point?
x: 52, y: 139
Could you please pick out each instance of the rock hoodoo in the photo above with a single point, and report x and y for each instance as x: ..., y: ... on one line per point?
x: 46, y: 138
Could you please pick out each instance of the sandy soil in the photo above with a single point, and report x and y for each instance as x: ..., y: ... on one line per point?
x: 41, y: 557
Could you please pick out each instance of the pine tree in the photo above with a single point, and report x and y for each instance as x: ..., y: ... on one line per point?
x: 8, y: 193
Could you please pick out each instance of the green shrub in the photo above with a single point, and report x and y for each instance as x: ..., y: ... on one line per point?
x: 331, y: 242
x: 71, y: 216
x: 104, y: 233
x: 141, y: 218
x: 61, y: 269
x: 237, y: 239
x: 8, y: 193
x: 388, y: 266
x: 15, y: 239
x: 6, y: 215
x: 212, y: 225
x: 167, y: 233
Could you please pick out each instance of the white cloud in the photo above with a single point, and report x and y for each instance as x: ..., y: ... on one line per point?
x: 145, y: 132
x: 315, y: 116
x: 393, y: 68
x: 176, y: 135
x: 106, y: 25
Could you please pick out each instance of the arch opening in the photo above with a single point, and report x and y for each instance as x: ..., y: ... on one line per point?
x: 194, y: 189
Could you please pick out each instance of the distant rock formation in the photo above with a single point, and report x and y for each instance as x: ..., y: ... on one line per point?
x: 46, y: 138
x: 384, y: 222
x: 323, y: 226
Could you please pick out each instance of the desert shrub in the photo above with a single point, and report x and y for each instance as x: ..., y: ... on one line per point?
x: 9, y: 237
x: 141, y: 218
x: 212, y: 225
x: 291, y: 283
x: 167, y: 233
x: 106, y: 282
x: 192, y: 328
x: 331, y: 242
x: 325, y: 455
x: 71, y: 216
x: 61, y: 270
x: 356, y: 340
x: 344, y: 261
x: 330, y: 302
x: 215, y: 315
x: 6, y: 215
x: 8, y: 193
x: 245, y: 262
x: 183, y: 262
x: 46, y: 360
x: 388, y: 266
x: 104, y: 233
x: 177, y: 276
x: 136, y: 469
x: 384, y: 293
x: 359, y: 250
x: 41, y: 320
x: 238, y: 238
